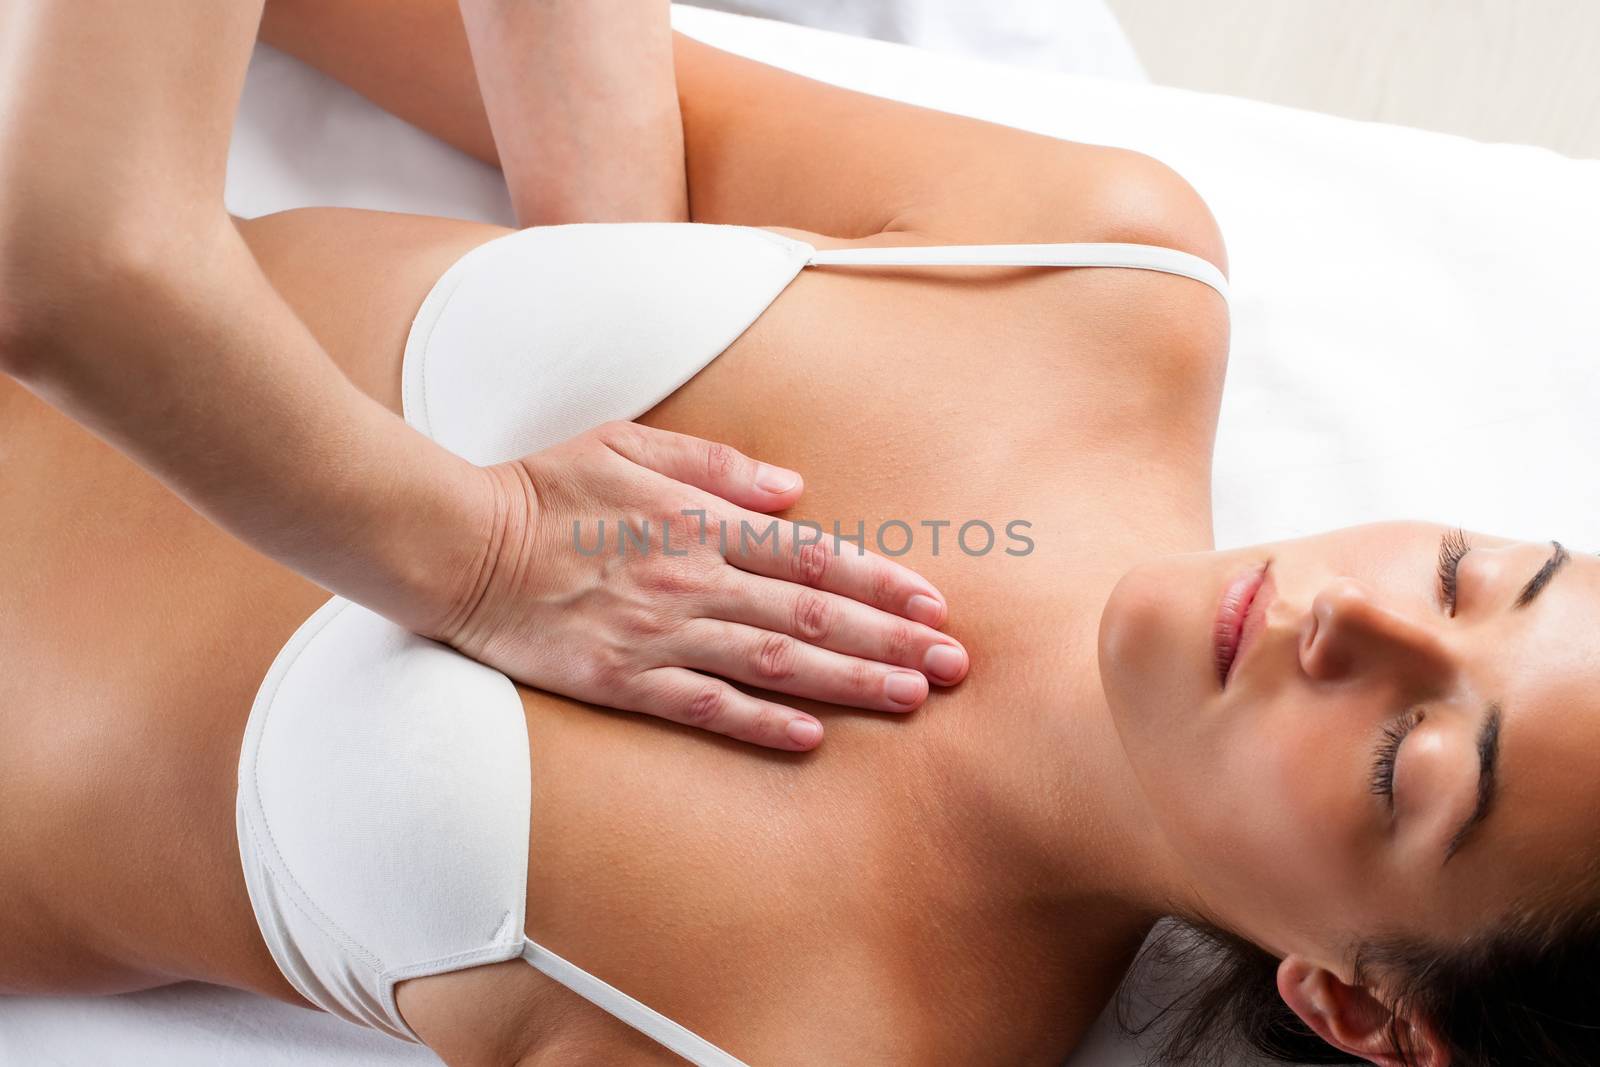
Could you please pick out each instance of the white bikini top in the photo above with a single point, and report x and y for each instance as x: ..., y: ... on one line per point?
x: 539, y: 335
x: 383, y: 805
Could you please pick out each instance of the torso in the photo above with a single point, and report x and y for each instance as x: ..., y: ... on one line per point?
x: 846, y: 906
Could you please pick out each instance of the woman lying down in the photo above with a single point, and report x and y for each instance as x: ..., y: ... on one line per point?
x: 1357, y: 764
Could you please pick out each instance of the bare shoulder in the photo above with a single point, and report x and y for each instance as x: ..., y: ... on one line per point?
x: 1158, y: 342
x: 1162, y: 331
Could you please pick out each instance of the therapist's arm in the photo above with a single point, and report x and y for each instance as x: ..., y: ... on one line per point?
x: 128, y: 300
x: 575, y: 100
x: 582, y: 101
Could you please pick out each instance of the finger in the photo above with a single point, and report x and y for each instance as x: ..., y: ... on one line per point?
x: 786, y: 664
x: 707, y: 703
x: 708, y: 465
x: 808, y: 556
x: 835, y: 622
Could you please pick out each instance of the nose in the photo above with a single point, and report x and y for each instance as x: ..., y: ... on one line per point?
x: 1351, y: 630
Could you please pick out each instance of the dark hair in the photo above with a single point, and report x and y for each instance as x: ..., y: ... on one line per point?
x: 1527, y: 993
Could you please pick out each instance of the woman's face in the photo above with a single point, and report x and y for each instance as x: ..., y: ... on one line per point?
x: 1407, y: 743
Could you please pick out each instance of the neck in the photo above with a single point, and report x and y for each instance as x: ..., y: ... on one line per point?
x: 1044, y: 795
x: 1048, y: 863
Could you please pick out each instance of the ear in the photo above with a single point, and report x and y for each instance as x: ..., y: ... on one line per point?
x: 1353, y: 1020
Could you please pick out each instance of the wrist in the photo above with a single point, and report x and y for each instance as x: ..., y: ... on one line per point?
x: 475, y: 548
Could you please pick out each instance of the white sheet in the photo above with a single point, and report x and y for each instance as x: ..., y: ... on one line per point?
x: 1415, y: 334
x: 1075, y: 36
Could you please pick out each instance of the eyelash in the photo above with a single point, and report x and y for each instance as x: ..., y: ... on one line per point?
x: 1389, y: 750
x: 1452, y: 546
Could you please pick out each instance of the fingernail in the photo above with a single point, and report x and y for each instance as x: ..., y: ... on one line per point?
x: 804, y: 732
x: 925, y: 609
x: 776, y: 479
x: 945, y: 662
x: 904, y: 687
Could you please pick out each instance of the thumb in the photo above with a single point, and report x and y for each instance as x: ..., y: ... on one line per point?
x: 716, y: 468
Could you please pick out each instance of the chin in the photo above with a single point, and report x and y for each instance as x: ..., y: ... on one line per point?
x: 1155, y: 655
x: 1158, y: 671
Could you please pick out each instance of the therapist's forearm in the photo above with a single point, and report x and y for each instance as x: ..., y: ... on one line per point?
x: 200, y: 372
x: 413, y: 58
x: 129, y: 301
x: 583, y: 104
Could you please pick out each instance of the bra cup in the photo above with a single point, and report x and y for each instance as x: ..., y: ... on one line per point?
x: 384, y: 793
x: 537, y: 336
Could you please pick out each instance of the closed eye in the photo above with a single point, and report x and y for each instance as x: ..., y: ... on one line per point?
x: 1452, y: 546
x: 1383, y: 763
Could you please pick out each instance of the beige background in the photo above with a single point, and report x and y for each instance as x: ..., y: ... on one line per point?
x: 1497, y: 70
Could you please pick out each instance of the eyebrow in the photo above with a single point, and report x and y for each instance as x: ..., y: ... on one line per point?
x: 1536, y: 584
x: 1488, y: 760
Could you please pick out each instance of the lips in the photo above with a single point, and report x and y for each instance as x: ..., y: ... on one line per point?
x: 1236, y: 624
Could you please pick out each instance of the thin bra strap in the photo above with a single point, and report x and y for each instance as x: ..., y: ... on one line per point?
x: 1139, y: 257
x: 646, y: 1020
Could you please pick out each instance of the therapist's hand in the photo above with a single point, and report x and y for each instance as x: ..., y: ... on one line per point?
x: 662, y: 631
